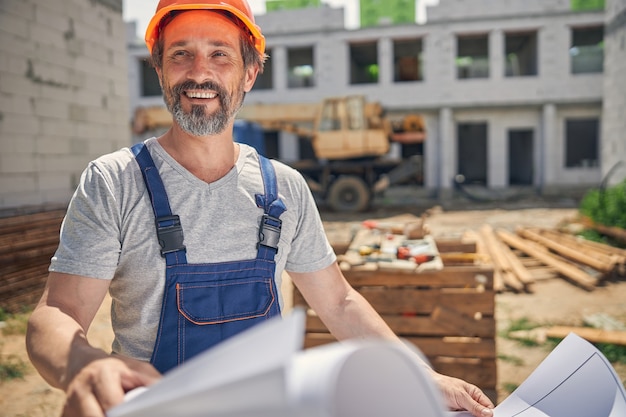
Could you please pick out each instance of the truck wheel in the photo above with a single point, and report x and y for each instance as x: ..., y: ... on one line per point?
x: 348, y: 194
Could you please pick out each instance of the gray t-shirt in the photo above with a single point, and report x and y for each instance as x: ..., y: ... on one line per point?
x: 109, y: 231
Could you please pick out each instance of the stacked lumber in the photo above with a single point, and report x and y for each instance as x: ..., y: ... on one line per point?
x: 509, y: 272
x: 445, y: 307
x: 27, y: 242
x: 528, y: 254
x: 541, y: 334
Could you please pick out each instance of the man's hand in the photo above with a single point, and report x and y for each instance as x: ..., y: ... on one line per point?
x: 102, y: 384
x: 461, y: 395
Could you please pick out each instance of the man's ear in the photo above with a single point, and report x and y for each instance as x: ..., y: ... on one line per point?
x: 250, y: 77
x: 159, y: 72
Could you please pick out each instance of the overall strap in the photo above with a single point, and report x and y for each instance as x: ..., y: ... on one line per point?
x: 273, y: 207
x: 168, y: 227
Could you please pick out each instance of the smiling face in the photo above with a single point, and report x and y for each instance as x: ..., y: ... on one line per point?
x: 203, y: 76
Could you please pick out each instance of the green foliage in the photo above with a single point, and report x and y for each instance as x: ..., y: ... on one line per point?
x: 607, y: 207
x: 15, y: 324
x: 515, y: 360
x: 521, y: 324
x: 11, y: 367
x: 594, y: 236
x: 580, y: 5
x: 614, y: 353
x: 274, y: 5
x: 509, y: 387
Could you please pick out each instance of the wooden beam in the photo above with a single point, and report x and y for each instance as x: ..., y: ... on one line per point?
x: 602, y: 264
x: 614, y: 337
x: 500, y: 260
x: 481, y: 248
x: 598, y: 247
x: 569, y: 271
x: 615, y: 232
x: 593, y: 335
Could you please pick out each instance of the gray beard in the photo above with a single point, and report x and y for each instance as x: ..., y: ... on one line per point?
x: 197, y: 123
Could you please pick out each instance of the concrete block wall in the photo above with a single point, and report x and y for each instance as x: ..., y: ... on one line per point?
x: 316, y: 19
x: 614, y: 106
x: 63, y: 95
x: 450, y: 10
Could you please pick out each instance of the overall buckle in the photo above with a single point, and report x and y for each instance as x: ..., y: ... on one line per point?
x: 170, y: 234
x: 269, y: 231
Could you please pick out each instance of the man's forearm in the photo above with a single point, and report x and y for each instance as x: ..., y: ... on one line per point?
x: 52, y: 339
x: 356, y: 318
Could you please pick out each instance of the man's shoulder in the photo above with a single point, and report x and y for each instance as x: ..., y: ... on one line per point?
x: 119, y: 160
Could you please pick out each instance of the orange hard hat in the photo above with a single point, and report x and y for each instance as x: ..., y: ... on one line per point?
x: 239, y: 8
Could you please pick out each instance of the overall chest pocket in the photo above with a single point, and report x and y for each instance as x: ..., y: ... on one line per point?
x: 216, y: 302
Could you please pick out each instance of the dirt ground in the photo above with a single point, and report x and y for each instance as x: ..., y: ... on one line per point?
x: 553, y: 302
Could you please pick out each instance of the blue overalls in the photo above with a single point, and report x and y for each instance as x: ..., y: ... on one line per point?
x: 206, y: 303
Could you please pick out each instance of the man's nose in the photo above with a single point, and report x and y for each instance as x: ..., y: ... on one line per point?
x: 200, y: 70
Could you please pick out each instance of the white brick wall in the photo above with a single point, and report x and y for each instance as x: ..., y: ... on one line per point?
x: 614, y: 105
x: 63, y: 95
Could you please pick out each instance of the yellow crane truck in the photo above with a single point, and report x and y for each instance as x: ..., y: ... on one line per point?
x: 350, y: 137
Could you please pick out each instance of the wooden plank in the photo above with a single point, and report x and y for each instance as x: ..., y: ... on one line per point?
x: 481, y: 247
x: 615, y: 337
x: 405, y: 326
x: 542, y: 273
x: 317, y: 339
x: 30, y: 254
x: 495, y: 248
x: 459, y: 324
x: 593, y: 249
x: 457, y: 276
x: 424, y: 301
x: 28, y: 239
x: 460, y: 259
x: 482, y: 373
x: 30, y: 278
x: 7, y: 223
x: 461, y: 347
x: 572, y: 273
x: 590, y: 245
x: 14, y: 269
x: 518, y: 268
x: 468, y: 301
x: 598, y: 262
x: 455, y: 245
x: 27, y: 243
x: 616, y: 233
x: 16, y: 304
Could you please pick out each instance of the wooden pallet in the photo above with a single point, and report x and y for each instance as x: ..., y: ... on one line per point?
x: 27, y: 242
x: 448, y: 314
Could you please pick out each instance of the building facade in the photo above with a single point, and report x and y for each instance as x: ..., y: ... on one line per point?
x: 63, y: 95
x: 511, y: 92
x: 613, y: 153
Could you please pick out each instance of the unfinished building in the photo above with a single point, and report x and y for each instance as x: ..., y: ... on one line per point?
x: 511, y: 93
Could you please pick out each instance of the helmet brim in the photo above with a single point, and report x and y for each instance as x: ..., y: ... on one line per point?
x: 152, y: 32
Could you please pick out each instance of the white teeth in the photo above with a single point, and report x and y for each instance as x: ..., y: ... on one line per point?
x: 200, y: 94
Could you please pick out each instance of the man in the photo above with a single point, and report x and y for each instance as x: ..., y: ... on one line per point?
x: 190, y: 232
